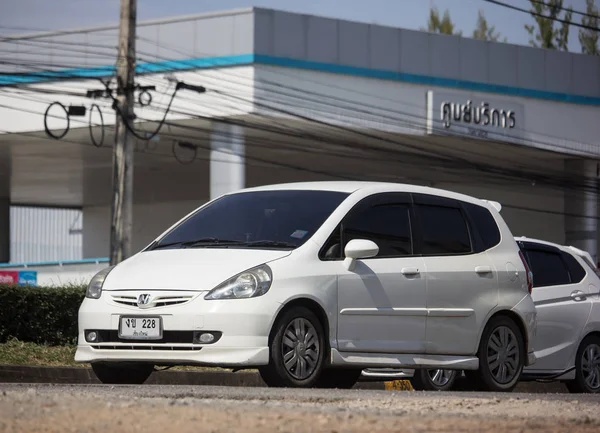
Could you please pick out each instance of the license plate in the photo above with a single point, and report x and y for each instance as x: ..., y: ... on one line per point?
x: 140, y: 328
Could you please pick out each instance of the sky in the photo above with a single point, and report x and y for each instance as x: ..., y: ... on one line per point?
x: 23, y: 16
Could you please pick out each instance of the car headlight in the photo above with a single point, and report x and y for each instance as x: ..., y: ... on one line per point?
x: 94, y: 289
x: 249, y: 284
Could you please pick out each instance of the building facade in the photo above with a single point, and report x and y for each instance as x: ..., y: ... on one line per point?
x: 293, y: 97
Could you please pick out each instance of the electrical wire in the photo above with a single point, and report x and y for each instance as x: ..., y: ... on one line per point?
x: 329, y: 174
x: 576, y: 12
x: 101, y: 141
x: 61, y: 135
x: 535, y: 14
x: 544, y: 143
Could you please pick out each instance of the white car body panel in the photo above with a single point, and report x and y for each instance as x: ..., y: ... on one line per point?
x: 564, y: 318
x: 376, y: 315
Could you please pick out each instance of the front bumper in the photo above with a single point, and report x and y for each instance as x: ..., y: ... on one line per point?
x: 243, y: 326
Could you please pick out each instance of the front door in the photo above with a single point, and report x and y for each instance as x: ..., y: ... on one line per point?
x: 381, y: 302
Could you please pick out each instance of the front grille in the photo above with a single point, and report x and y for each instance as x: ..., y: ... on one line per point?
x: 169, y: 337
x: 145, y: 347
x: 125, y: 300
x: 159, y: 301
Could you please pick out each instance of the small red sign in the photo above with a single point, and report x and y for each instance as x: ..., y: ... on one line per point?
x: 9, y: 277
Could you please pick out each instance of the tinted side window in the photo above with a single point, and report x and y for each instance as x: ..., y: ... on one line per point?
x: 576, y: 271
x: 485, y: 224
x: 387, y: 225
x: 443, y: 230
x: 548, y: 268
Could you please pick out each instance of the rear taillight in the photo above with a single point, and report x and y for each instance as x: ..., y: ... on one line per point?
x: 527, y: 272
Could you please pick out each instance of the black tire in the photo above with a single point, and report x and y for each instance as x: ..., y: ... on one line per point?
x: 275, y: 374
x: 341, y: 378
x: 485, y: 379
x: 580, y: 384
x: 423, y: 380
x: 122, y: 374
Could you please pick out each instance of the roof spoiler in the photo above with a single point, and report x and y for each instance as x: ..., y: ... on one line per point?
x: 584, y: 255
x: 495, y: 204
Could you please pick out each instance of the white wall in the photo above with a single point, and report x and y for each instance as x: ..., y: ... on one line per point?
x: 149, y: 221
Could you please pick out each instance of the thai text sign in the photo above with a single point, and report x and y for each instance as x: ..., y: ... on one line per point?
x: 473, y: 116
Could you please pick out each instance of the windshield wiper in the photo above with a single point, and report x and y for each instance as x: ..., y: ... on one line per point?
x: 269, y: 243
x: 202, y: 241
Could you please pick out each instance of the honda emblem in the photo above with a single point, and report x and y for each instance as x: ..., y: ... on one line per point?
x: 143, y: 299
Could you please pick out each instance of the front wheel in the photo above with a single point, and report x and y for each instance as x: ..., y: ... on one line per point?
x: 501, y: 356
x: 122, y: 374
x: 587, y: 367
x: 433, y: 380
x: 297, y: 350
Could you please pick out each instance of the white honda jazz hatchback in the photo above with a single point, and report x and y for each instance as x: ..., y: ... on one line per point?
x: 566, y: 290
x: 313, y: 282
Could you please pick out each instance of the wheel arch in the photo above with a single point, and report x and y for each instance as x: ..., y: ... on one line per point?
x: 310, y: 304
x: 519, y: 321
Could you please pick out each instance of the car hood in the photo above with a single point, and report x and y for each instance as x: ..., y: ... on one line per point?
x: 186, y: 269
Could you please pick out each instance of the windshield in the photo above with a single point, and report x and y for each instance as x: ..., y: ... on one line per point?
x: 270, y: 219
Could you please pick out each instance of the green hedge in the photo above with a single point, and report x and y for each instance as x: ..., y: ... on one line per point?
x: 43, y: 315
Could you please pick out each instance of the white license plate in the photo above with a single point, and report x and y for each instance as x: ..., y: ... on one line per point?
x: 140, y: 328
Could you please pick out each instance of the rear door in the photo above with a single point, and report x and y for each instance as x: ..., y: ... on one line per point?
x: 563, y: 305
x: 462, y: 284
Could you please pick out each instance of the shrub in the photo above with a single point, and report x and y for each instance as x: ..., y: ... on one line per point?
x: 39, y: 314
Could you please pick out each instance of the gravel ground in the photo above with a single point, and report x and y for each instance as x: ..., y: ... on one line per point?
x: 182, y: 409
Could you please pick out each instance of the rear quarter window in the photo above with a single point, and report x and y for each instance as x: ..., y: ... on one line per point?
x: 485, y: 225
x: 576, y: 271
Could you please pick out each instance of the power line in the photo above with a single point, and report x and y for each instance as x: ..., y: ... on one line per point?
x: 396, y: 142
x: 330, y: 174
x: 576, y: 12
x: 560, y: 20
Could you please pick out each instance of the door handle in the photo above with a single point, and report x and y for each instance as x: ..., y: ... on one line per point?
x: 483, y: 269
x: 578, y: 295
x: 410, y: 271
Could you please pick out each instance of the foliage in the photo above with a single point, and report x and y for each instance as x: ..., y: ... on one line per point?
x: 39, y: 314
x: 547, y: 32
x: 483, y: 31
x: 588, y: 38
x: 442, y: 25
x: 15, y: 352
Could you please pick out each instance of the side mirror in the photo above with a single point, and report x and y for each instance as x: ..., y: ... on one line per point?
x: 358, y: 249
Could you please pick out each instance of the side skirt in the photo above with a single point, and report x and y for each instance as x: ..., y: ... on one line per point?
x: 403, y: 361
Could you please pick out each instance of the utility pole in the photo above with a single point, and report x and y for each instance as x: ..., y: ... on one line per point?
x: 122, y: 208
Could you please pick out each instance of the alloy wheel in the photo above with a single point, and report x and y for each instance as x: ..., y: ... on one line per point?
x: 440, y: 377
x: 590, y: 366
x: 503, y: 354
x: 300, y: 348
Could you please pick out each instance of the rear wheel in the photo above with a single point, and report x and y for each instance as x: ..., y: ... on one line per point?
x: 297, y: 350
x: 587, y: 367
x: 122, y: 374
x: 433, y: 380
x: 501, y: 356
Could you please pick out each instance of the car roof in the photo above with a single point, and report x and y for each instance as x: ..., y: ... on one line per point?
x: 567, y: 248
x: 354, y: 186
